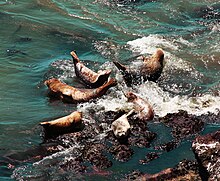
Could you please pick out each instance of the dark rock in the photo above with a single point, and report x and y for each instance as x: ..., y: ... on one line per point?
x: 140, y: 136
x: 94, y: 154
x: 185, y: 170
x: 207, y: 152
x: 74, y: 165
x: 183, y: 124
x: 210, y: 117
x: 168, y: 146
x: 149, y: 157
x: 121, y: 152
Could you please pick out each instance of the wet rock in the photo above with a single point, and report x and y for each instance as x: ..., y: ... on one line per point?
x: 185, y: 170
x: 207, y: 152
x: 140, y: 136
x: 74, y: 165
x: 168, y: 146
x: 94, y: 154
x: 182, y: 124
x: 210, y: 117
x: 149, y: 157
x: 121, y: 152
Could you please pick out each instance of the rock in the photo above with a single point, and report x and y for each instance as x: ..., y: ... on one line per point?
x: 168, y: 146
x: 149, y: 157
x: 73, y: 165
x: 183, y: 124
x: 210, y: 118
x: 185, y: 170
x: 121, y: 152
x: 94, y: 154
x: 207, y: 152
x: 140, y: 136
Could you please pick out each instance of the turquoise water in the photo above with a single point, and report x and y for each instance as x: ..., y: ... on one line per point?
x: 34, y: 35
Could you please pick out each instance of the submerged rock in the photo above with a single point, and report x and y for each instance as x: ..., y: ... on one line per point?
x: 168, y: 146
x: 149, y: 157
x: 207, y: 152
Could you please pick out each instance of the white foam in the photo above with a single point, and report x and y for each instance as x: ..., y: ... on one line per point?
x: 150, y: 44
x: 164, y: 103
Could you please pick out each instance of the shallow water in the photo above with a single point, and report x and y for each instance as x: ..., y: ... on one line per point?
x: 36, y: 39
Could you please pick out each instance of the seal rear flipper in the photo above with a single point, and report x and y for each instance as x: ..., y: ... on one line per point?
x: 75, y: 57
x: 120, y: 66
x: 44, y: 123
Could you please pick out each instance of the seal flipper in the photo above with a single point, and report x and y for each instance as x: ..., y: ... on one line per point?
x: 120, y: 66
x: 75, y: 57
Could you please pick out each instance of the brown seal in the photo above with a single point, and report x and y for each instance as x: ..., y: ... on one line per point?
x: 150, y: 69
x: 121, y: 126
x: 74, y: 95
x: 63, y: 125
x: 141, y: 106
x: 89, y: 77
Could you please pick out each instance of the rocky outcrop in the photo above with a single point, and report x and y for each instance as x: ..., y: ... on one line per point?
x: 185, y: 170
x: 182, y: 124
x: 207, y: 152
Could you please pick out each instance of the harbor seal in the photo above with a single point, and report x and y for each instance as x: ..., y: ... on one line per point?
x: 75, y: 95
x: 121, y: 126
x: 63, y: 125
x: 89, y: 77
x: 142, y: 107
x: 150, y: 69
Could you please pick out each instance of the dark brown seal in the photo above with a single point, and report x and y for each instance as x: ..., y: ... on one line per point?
x: 74, y: 95
x: 63, y: 125
x: 89, y: 77
x: 150, y: 69
x: 141, y: 106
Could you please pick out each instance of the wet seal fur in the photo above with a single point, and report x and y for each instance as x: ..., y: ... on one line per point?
x: 66, y: 124
x: 141, y: 106
x: 73, y: 95
x: 150, y: 69
x: 89, y: 77
x: 121, y: 126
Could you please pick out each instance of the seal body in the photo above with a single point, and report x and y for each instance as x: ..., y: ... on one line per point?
x: 62, y: 125
x: 89, y: 77
x: 73, y: 95
x: 141, y: 106
x: 150, y: 69
x: 121, y: 126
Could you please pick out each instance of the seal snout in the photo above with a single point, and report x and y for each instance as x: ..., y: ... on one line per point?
x: 49, y: 81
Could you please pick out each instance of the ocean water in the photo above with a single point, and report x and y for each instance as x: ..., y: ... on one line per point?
x: 36, y: 39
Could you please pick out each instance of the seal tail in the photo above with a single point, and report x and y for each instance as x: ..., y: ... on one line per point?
x: 120, y: 66
x: 75, y: 57
x: 111, y: 82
